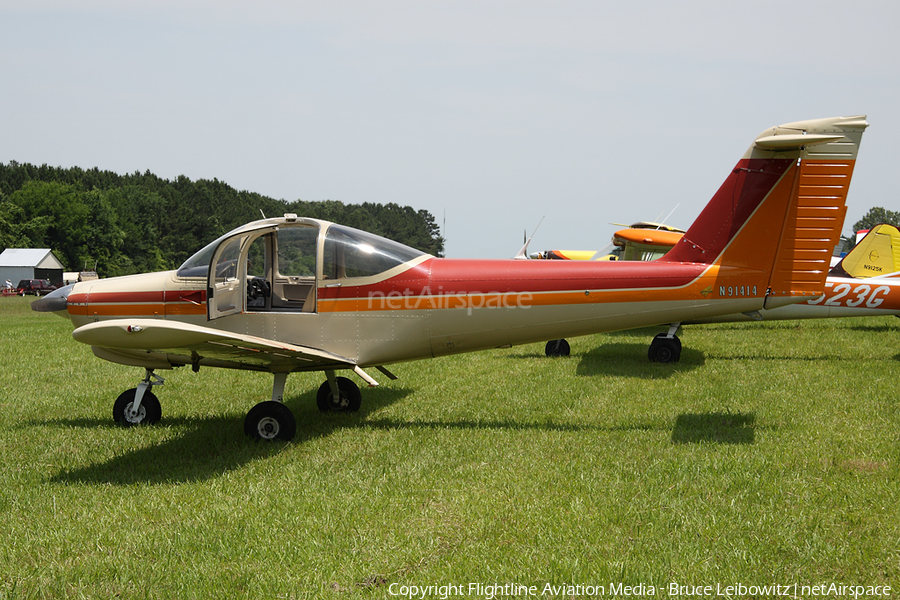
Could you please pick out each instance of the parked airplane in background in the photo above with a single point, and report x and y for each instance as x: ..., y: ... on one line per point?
x: 865, y: 283
x: 641, y: 241
x: 292, y: 294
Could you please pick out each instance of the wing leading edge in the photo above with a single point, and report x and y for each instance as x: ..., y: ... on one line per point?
x: 154, y: 343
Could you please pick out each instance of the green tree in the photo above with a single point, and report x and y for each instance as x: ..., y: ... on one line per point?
x: 60, y: 207
x: 101, y: 240
x: 876, y: 216
x: 18, y: 231
x: 80, y: 227
x: 140, y: 222
x: 141, y: 214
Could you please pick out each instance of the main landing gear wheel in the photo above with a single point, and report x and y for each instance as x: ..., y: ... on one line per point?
x: 270, y: 420
x: 350, y: 399
x: 148, y: 413
x: 665, y: 349
x: 557, y: 348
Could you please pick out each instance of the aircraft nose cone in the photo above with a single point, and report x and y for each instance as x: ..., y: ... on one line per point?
x: 55, y: 301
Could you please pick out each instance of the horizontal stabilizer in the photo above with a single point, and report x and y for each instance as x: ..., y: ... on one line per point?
x: 792, y: 141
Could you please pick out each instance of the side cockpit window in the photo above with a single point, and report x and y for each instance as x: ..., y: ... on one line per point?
x: 352, y: 253
x: 228, y: 260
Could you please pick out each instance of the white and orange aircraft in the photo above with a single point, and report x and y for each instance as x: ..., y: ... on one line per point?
x: 292, y: 294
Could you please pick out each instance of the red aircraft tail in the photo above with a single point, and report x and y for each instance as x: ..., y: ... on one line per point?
x: 781, y: 209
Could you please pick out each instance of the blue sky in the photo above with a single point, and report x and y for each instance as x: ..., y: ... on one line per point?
x: 491, y: 115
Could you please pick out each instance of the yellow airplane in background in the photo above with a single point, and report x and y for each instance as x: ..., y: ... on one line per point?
x: 292, y: 294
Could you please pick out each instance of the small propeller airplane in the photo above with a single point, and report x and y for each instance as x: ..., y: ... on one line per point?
x: 291, y: 294
x: 640, y: 241
x: 865, y: 283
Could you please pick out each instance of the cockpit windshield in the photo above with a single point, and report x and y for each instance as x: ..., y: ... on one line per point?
x: 198, y: 264
x: 352, y: 253
x: 610, y: 252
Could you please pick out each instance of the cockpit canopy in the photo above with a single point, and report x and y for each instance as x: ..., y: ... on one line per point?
x: 350, y: 252
x: 341, y: 253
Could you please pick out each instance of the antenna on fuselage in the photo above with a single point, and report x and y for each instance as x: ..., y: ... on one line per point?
x: 262, y: 213
x: 670, y: 214
x: 523, y: 253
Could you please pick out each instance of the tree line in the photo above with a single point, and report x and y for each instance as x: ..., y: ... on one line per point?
x: 877, y: 216
x: 125, y: 224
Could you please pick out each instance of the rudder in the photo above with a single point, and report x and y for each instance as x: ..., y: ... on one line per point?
x: 816, y: 213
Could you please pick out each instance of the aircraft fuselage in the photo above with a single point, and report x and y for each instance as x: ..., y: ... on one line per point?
x: 442, y: 306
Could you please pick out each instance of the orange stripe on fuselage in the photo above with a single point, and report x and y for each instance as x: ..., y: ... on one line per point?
x: 444, y: 293
x: 137, y: 304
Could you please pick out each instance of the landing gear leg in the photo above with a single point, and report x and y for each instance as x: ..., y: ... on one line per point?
x: 139, y: 406
x: 666, y: 347
x: 338, y: 394
x: 272, y: 420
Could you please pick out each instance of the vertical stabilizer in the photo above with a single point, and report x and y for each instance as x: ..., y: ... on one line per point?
x: 781, y: 209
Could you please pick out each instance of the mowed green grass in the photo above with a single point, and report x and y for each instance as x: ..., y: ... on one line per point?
x: 768, y: 454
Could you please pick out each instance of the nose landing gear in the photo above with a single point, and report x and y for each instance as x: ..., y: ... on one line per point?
x: 139, y: 406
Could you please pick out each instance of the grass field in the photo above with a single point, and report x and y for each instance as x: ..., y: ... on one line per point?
x: 769, y: 454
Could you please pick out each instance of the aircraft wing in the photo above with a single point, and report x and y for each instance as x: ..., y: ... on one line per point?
x: 155, y: 343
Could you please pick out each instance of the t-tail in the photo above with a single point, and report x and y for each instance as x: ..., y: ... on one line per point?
x: 778, y: 216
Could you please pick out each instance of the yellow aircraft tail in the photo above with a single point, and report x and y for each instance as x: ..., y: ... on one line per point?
x: 877, y: 254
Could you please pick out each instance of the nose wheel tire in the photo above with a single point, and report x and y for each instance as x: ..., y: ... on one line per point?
x: 349, y: 401
x: 270, y: 421
x: 148, y: 413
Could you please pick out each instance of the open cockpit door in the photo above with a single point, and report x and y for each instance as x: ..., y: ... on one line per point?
x: 227, y: 277
x: 271, y: 269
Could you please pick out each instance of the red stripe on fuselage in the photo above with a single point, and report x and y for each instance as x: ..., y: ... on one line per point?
x: 437, y: 277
